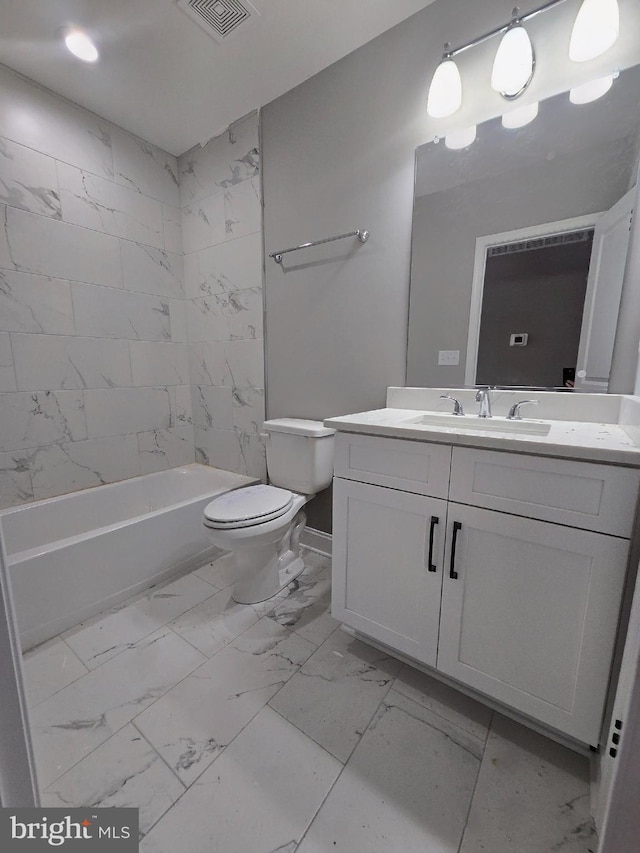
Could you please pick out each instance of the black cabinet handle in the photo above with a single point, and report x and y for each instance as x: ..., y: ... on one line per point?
x: 452, y: 572
x: 434, y: 520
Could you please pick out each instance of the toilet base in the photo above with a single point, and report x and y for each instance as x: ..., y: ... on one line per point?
x: 257, y: 589
x: 267, y: 569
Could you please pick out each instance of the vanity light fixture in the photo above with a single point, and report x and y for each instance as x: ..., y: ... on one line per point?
x: 80, y: 45
x: 514, y: 62
x: 591, y: 91
x: 520, y: 116
x: 458, y: 139
x: 595, y: 29
x: 445, y: 92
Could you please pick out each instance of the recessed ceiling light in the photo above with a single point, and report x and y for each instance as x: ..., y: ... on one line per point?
x: 80, y: 45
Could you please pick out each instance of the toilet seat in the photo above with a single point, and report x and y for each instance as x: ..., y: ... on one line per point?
x: 246, y: 507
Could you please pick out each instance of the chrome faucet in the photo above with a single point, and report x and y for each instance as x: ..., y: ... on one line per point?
x: 457, y: 405
x: 484, y: 398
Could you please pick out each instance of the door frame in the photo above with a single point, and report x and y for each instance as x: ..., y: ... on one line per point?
x: 487, y: 241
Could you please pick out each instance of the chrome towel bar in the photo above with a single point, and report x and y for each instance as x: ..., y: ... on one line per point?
x: 361, y: 234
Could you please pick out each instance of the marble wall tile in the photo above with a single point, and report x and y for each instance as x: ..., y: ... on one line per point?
x: 208, y: 364
x: 50, y: 362
x: 248, y: 409
x: 119, y: 411
x: 149, y: 270
x: 101, y: 205
x: 144, y: 168
x: 105, y: 312
x: 212, y: 406
x: 181, y: 405
x: 28, y: 180
x: 203, y: 223
x: 160, y: 449
x: 48, y: 668
x: 235, y: 450
x: 35, y: 303
x: 79, y: 718
x: 178, y: 319
x: 259, y: 795
x: 54, y: 126
x: 39, y: 244
x: 61, y: 468
x: 242, y: 209
x: 172, y: 228
x: 7, y: 372
x: 159, y: 363
x: 235, y: 315
x: 245, y: 361
x: 31, y: 419
x: 225, y: 160
x: 229, y: 266
x: 15, y: 480
x: 125, y: 772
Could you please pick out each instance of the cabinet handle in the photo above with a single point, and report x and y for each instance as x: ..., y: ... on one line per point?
x: 452, y: 572
x: 434, y: 520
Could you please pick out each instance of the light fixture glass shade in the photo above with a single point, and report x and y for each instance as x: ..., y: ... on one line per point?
x: 591, y: 91
x: 458, y: 139
x: 514, y: 63
x: 80, y: 45
x: 445, y: 92
x: 520, y: 117
x: 595, y: 29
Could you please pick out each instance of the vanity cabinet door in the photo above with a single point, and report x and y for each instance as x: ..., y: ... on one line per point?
x: 529, y: 615
x: 387, y: 565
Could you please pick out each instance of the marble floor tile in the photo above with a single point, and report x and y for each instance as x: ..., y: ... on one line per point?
x: 258, y: 797
x: 335, y: 694
x: 306, y: 609
x: 214, y: 623
x: 72, y: 723
x: 407, y: 787
x: 48, y: 668
x: 220, y: 572
x: 449, y: 703
x: 125, y: 772
x: 532, y: 796
x: 193, y: 723
x: 104, y: 637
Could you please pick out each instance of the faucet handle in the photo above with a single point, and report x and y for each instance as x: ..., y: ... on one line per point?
x: 457, y: 405
x: 514, y: 411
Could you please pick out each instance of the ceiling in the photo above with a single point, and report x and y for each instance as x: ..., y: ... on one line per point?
x: 163, y: 78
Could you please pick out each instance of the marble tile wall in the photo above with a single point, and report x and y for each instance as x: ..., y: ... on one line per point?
x: 94, y: 365
x: 222, y: 242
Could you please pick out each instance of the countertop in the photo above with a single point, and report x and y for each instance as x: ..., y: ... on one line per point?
x: 588, y: 441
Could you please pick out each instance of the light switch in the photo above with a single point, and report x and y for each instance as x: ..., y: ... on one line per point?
x: 449, y: 356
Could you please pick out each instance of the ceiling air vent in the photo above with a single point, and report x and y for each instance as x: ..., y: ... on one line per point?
x: 220, y: 18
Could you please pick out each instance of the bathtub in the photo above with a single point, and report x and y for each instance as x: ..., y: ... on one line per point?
x: 76, y: 555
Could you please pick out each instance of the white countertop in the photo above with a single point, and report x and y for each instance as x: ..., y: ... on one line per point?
x: 592, y: 441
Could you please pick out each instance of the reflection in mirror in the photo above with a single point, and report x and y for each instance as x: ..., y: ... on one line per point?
x: 519, y: 246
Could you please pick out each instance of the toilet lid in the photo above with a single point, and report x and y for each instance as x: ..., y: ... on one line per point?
x: 244, y: 507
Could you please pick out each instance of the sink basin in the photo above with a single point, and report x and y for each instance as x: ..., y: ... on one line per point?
x: 473, y: 422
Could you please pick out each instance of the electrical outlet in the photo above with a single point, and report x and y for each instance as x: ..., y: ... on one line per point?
x: 449, y: 356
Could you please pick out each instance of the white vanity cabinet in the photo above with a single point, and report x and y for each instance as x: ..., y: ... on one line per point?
x: 514, y: 590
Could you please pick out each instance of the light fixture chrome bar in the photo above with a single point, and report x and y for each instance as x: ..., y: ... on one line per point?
x: 450, y: 53
x: 360, y: 233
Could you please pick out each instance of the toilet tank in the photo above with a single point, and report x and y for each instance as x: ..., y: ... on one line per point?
x: 299, y: 454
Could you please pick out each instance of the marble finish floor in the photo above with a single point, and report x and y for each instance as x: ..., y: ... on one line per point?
x: 256, y: 729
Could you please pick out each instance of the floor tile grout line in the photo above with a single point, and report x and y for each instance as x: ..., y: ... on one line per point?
x: 475, y: 786
x: 33, y: 705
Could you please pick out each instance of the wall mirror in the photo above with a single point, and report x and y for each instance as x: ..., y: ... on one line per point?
x: 519, y: 245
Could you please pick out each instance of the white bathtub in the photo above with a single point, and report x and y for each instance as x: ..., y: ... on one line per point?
x: 73, y: 556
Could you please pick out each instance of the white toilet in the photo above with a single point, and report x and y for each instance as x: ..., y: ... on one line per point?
x: 261, y: 525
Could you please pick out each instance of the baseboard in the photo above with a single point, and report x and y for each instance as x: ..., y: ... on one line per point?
x: 317, y: 540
